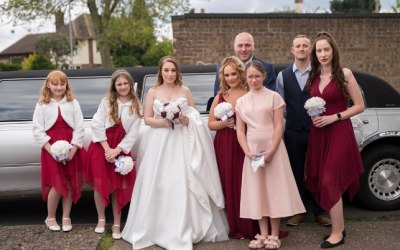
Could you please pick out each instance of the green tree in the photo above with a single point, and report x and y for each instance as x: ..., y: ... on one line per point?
x: 156, y: 52
x: 355, y: 6
x: 55, y: 46
x: 36, y: 62
x: 101, y: 12
x: 396, y: 7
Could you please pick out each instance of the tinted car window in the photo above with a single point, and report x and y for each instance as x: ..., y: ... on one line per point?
x: 201, y: 86
x: 18, y: 97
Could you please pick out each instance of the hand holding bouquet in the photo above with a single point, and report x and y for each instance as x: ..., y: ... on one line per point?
x: 171, y: 111
x: 124, y: 165
x: 315, y: 106
x: 60, y: 150
x: 224, y: 111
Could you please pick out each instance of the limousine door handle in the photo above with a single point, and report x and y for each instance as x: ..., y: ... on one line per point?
x: 365, y: 121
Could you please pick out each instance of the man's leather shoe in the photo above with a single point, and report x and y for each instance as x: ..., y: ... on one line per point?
x: 295, y: 220
x: 323, y: 220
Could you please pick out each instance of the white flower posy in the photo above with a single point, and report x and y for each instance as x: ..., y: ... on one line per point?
x: 224, y: 111
x: 60, y: 150
x: 124, y: 165
x: 315, y: 106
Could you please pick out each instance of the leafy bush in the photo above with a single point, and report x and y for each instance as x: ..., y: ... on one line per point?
x: 9, y: 67
x: 36, y: 62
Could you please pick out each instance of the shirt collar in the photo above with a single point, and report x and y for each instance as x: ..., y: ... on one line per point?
x: 307, y: 69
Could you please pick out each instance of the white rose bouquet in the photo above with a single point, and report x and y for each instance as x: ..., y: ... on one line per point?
x: 124, y: 165
x: 60, y: 150
x: 224, y: 111
x: 171, y: 111
x: 315, y: 106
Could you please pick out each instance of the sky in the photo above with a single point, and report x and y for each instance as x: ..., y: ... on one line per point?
x: 10, y: 34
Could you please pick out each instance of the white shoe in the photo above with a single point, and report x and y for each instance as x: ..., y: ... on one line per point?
x: 53, y: 228
x: 66, y: 228
x: 116, y: 236
x: 100, y: 230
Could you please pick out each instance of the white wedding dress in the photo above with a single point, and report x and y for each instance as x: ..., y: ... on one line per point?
x: 177, y: 200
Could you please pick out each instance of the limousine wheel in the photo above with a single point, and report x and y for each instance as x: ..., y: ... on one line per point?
x: 380, y: 184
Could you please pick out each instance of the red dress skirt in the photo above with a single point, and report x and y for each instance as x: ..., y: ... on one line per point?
x: 230, y: 157
x: 101, y: 174
x: 55, y: 174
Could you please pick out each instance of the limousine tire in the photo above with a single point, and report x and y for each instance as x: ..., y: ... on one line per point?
x: 380, y: 184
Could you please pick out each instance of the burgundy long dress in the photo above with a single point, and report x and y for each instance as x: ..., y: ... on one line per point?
x: 56, y: 174
x: 101, y: 174
x: 333, y: 164
x: 230, y: 158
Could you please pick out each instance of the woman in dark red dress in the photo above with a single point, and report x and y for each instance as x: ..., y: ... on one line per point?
x: 333, y: 160
x: 228, y: 152
x: 57, y: 117
x: 115, y: 128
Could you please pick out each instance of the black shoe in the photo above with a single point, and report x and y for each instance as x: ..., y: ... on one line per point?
x: 327, y: 244
x: 343, y: 235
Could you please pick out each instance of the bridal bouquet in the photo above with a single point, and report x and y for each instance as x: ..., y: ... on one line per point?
x: 171, y: 111
x: 124, y: 165
x: 224, y: 111
x: 315, y: 106
x: 60, y: 150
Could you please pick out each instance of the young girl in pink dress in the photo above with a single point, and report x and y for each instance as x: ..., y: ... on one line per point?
x: 115, y: 128
x: 269, y: 192
x: 58, y: 116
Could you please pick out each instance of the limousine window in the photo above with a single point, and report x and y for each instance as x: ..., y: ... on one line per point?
x: 18, y: 97
x: 201, y: 85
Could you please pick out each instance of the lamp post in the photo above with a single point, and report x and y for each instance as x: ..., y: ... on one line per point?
x: 70, y: 35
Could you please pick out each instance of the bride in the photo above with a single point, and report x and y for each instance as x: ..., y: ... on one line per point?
x: 177, y: 199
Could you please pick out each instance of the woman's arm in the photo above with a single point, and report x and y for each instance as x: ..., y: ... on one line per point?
x: 277, y: 135
x: 241, y: 135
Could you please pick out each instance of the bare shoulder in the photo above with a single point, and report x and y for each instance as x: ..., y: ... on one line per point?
x: 347, y: 72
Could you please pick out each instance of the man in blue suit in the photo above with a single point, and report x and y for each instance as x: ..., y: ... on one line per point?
x: 244, y: 47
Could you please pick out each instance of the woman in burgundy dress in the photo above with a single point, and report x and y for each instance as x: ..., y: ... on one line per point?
x: 333, y: 160
x: 57, y: 117
x: 228, y: 152
x: 115, y: 128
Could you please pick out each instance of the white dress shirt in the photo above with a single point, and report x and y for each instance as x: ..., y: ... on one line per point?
x: 45, y: 115
x: 130, y: 122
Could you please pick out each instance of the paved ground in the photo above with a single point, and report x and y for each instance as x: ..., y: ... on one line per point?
x: 374, y: 235
x: 360, y: 235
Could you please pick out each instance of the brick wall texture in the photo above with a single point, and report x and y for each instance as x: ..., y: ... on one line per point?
x: 367, y: 42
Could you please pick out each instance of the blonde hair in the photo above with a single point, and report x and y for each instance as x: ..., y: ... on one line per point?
x: 113, y: 95
x: 45, y: 92
x: 235, y: 63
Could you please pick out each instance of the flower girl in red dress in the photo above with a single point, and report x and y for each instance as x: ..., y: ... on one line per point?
x: 58, y: 118
x: 115, y: 128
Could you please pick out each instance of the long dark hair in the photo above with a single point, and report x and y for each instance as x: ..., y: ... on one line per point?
x: 337, y: 70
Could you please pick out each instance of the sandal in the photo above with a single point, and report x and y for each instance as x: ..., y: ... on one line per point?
x: 257, y: 243
x: 272, y: 242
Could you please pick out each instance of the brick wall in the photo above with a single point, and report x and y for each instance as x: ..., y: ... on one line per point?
x: 368, y: 42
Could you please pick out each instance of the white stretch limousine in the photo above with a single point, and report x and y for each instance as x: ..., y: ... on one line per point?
x: 377, y: 129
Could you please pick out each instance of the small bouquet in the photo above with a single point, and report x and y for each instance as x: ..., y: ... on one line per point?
x: 171, y: 111
x: 124, y: 165
x: 60, y: 150
x: 224, y: 111
x: 315, y: 106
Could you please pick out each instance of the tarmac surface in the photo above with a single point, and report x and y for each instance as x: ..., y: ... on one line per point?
x: 360, y: 235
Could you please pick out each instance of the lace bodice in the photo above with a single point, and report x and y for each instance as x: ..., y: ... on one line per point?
x: 159, y: 103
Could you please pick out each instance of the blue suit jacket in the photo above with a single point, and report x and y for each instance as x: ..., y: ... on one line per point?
x: 269, y: 82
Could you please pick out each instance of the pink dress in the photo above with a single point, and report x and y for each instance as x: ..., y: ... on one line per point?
x: 56, y: 174
x: 270, y: 191
x: 101, y: 174
x: 230, y: 158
